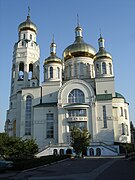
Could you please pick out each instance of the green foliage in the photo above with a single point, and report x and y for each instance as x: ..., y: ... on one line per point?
x: 80, y: 140
x: 34, y: 162
x: 128, y: 147
x: 16, y: 148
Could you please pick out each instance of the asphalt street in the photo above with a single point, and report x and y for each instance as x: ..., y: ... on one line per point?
x: 79, y: 169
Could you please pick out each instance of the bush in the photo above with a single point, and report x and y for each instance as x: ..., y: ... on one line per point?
x: 35, y: 162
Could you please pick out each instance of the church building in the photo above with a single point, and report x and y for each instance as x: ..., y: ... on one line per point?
x: 78, y: 90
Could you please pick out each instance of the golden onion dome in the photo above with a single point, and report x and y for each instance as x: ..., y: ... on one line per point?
x: 53, y: 58
x: 27, y: 25
x: 79, y: 47
x: 102, y: 53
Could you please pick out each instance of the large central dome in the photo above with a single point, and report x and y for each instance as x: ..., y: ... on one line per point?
x: 79, y: 47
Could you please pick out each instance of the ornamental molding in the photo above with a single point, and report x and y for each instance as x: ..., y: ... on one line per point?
x: 77, y: 81
x: 103, y: 79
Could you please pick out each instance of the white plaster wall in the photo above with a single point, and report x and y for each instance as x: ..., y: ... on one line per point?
x: 118, y: 103
x: 39, y: 126
x: 105, y: 134
x: 103, y: 84
x: 50, y: 92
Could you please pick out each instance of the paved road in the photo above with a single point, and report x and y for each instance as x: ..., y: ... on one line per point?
x: 79, y: 169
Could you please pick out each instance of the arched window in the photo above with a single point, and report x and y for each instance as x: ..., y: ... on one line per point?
x: 51, y: 72
x: 76, y: 96
x: 33, y: 84
x: 110, y: 68
x: 55, y: 152
x: 28, y: 114
x: 123, y: 128
x: 104, y: 68
x: 97, y: 68
x: 88, y: 69
x: 61, y: 151
x: 125, y: 112
x: 91, y: 152
x: 58, y: 72
x: 21, y: 71
x: 121, y: 111
x: 98, y: 152
x: 30, y: 74
x: 75, y: 69
x: 68, y: 151
x: 30, y: 36
x: 127, y: 132
x: 13, y: 70
x: 69, y: 71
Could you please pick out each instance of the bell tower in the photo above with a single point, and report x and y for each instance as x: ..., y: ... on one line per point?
x: 25, y: 72
x: 26, y: 54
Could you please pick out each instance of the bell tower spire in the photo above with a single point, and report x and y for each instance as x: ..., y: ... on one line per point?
x: 78, y: 29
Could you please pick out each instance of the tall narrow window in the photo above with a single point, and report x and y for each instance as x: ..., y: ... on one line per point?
x: 51, y: 72
x: 81, y: 69
x: 30, y: 37
x: 104, y: 68
x: 23, y: 36
x: 30, y: 74
x: 28, y: 114
x: 125, y: 112
x: 76, y: 96
x: 110, y: 68
x: 121, y: 111
x: 50, y: 125
x: 21, y: 71
x: 75, y: 69
x: 58, y: 72
x: 104, y: 117
x: 70, y: 71
x: 127, y: 130
x: 97, y: 67
x: 123, y: 128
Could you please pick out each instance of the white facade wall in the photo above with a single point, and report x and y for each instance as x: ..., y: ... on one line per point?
x: 119, y: 103
x: 105, y: 86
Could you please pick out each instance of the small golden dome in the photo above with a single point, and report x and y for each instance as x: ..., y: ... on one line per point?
x: 27, y: 25
x: 53, y: 58
x: 102, y: 53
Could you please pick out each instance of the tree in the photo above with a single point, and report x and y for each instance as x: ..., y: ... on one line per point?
x: 16, y: 148
x: 80, y: 140
x: 132, y: 129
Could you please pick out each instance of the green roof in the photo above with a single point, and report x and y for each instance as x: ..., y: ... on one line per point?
x: 118, y: 95
x: 103, y: 97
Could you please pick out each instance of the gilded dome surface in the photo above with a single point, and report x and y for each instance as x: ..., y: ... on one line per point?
x: 52, y: 58
x: 102, y: 53
x: 27, y: 25
x: 79, y: 47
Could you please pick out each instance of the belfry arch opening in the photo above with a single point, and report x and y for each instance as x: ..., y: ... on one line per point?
x: 30, y: 73
x: 21, y: 71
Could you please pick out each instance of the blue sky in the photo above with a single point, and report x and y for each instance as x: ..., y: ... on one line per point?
x: 115, y: 18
